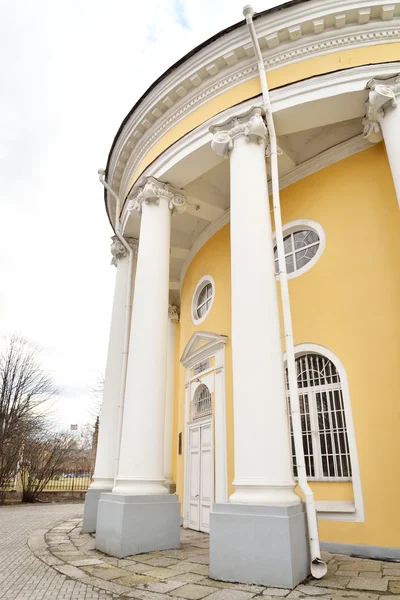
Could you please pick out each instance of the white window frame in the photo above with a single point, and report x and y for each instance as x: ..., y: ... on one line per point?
x: 304, y: 225
x: 315, y: 432
x: 195, y: 415
x: 207, y: 279
x: 339, y: 510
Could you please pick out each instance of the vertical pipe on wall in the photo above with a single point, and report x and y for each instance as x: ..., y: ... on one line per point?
x: 318, y: 567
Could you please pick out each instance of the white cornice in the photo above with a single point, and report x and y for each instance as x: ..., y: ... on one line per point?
x: 286, y: 36
x: 317, y: 163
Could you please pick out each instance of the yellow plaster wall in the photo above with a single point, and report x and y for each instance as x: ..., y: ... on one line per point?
x: 349, y: 302
x: 328, y: 63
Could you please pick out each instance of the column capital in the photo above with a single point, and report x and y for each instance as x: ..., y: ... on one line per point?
x: 249, y: 124
x: 119, y: 251
x: 173, y: 313
x: 151, y: 192
x: 383, y: 94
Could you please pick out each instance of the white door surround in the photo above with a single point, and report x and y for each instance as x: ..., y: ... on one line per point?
x: 200, y: 484
x: 213, y: 345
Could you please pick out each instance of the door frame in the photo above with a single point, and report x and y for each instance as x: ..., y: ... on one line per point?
x: 213, y: 346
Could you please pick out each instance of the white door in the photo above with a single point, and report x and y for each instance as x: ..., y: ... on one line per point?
x: 201, y: 475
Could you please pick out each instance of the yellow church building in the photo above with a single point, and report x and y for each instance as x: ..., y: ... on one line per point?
x: 254, y: 195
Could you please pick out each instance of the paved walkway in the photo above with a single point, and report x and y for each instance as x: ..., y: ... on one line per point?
x: 43, y: 555
x: 23, y: 576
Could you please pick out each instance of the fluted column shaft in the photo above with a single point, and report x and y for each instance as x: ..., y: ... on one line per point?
x: 263, y: 473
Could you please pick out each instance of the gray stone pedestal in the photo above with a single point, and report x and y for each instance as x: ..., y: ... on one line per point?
x: 129, y: 525
x: 90, y: 511
x: 264, y: 545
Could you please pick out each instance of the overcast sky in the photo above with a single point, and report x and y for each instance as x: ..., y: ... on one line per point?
x: 69, y: 73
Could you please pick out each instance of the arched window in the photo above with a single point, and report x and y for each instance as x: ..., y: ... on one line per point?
x: 323, y: 419
x: 201, y: 402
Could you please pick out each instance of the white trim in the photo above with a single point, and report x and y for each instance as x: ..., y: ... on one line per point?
x: 191, y: 356
x: 198, y: 289
x: 304, y: 225
x: 301, y: 92
x: 358, y: 514
x: 215, y: 346
x: 335, y: 506
x: 136, y: 140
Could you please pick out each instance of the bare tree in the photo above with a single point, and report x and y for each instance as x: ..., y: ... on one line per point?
x: 46, y: 455
x: 97, y: 390
x: 25, y: 389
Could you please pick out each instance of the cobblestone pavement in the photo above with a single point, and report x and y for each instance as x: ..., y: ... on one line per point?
x: 23, y: 576
x: 183, y: 573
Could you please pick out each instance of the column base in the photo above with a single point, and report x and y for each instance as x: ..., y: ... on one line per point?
x: 90, y: 510
x: 129, y: 525
x: 264, y: 545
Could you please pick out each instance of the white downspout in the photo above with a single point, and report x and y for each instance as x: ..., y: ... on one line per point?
x: 318, y: 567
x: 128, y: 311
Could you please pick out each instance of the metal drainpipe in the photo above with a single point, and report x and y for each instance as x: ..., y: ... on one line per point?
x: 318, y: 566
x: 128, y: 311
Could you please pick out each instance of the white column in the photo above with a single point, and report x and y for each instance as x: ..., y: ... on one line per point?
x: 263, y: 472
x: 108, y: 440
x: 382, y: 121
x: 173, y: 318
x: 141, y: 462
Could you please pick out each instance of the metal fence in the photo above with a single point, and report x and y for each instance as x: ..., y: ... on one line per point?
x: 71, y: 480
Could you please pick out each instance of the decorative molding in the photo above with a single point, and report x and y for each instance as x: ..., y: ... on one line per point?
x: 250, y: 124
x: 118, y: 250
x: 201, y: 79
x: 152, y: 191
x: 382, y: 96
x: 134, y: 244
x: 173, y: 313
x: 214, y: 342
x: 317, y: 88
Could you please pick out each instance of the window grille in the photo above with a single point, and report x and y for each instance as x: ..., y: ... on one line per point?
x: 323, y: 419
x: 202, y: 402
x: 204, y: 300
x: 300, y: 247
